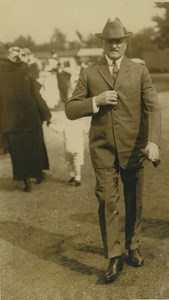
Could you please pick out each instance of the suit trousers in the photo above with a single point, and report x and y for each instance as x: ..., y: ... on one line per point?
x: 107, y: 193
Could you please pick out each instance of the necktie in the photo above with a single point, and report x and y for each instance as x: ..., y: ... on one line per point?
x: 115, y: 71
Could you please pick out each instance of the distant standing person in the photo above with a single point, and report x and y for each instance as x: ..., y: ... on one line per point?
x: 49, y: 84
x: 22, y: 112
x: 125, y: 127
x: 64, y: 83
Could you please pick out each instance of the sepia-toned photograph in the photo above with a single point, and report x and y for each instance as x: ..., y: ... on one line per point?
x: 84, y: 149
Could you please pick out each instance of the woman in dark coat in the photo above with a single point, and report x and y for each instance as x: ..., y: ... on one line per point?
x: 22, y: 112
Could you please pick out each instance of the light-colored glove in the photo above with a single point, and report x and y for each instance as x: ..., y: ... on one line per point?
x: 153, y: 151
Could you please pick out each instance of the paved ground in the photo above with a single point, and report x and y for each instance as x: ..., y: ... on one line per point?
x: 50, y: 240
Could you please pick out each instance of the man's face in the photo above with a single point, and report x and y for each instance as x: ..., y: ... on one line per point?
x: 114, y: 48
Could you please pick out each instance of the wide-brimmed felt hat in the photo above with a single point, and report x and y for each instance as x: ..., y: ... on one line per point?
x: 114, y: 30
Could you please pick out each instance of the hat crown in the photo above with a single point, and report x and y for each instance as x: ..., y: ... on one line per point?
x: 114, y: 29
x: 116, y: 23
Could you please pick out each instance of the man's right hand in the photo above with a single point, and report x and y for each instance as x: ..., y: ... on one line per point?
x: 106, y: 98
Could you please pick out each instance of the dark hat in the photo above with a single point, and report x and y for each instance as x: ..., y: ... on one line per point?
x: 113, y: 30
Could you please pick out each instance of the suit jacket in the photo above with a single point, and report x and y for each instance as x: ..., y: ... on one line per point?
x: 126, y: 130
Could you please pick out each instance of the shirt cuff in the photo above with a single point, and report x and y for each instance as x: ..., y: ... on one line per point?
x: 95, y: 108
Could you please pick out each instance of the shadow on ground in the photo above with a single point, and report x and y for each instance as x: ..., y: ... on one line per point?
x: 57, y: 247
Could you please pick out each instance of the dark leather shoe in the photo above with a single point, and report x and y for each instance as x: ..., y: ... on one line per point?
x: 27, y: 183
x: 77, y: 183
x: 114, y: 269
x: 135, y: 259
x: 71, y: 180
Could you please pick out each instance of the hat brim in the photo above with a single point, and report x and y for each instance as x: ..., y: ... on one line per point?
x: 101, y: 36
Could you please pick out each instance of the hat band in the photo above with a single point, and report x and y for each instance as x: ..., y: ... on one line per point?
x: 114, y: 33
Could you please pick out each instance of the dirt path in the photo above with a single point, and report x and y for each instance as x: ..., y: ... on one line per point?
x: 50, y: 240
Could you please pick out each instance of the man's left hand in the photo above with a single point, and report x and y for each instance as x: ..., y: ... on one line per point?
x: 153, y: 151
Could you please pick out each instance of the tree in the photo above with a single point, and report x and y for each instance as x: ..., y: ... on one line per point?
x: 140, y: 42
x: 93, y: 42
x: 24, y: 42
x: 75, y: 45
x: 88, y: 41
x: 161, y: 37
x: 58, y: 40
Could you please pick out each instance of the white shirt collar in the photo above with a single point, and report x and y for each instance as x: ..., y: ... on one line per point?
x: 118, y: 61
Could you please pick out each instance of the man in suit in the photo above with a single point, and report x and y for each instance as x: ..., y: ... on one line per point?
x: 125, y: 126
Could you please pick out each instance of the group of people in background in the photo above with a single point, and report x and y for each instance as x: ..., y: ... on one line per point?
x: 55, y: 82
x: 28, y: 93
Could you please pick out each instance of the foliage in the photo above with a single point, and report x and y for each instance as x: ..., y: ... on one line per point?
x: 24, y: 42
x: 58, y: 40
x: 161, y: 37
x: 89, y: 41
x: 147, y: 39
x: 140, y: 42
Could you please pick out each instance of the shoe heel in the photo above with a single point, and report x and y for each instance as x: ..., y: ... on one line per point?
x: 121, y: 268
x: 27, y: 187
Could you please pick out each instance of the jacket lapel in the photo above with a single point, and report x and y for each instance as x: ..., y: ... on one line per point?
x: 123, y: 72
x: 104, y: 71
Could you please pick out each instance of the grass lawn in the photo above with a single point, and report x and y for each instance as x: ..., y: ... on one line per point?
x: 161, y: 81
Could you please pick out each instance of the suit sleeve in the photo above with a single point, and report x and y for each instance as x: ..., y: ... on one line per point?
x: 80, y: 104
x: 151, y: 108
